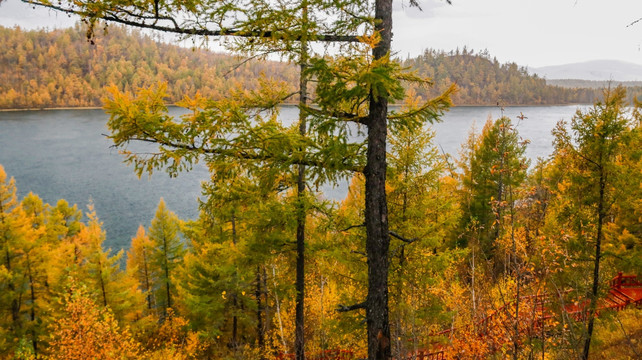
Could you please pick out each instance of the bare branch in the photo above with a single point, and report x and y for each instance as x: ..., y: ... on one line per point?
x: 245, y: 61
x: 193, y: 31
x: 352, y: 227
x: 634, y: 22
x: 339, y: 115
x: 343, y: 308
x: 409, y: 241
x: 246, y: 155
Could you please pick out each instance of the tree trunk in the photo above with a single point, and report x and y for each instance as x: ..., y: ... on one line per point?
x: 102, y: 283
x: 376, y: 209
x: 32, y: 312
x: 299, y: 322
x: 166, y: 260
x: 235, y: 320
x: 259, y: 315
x: 596, y: 269
x: 148, y: 287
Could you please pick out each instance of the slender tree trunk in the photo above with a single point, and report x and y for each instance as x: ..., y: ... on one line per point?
x: 32, y: 312
x: 596, y: 270
x: 102, y: 282
x: 148, y: 288
x: 376, y: 209
x: 259, y: 315
x: 516, y: 271
x: 15, y: 303
x: 166, y: 261
x: 235, y: 320
x: 299, y: 322
x: 278, y: 306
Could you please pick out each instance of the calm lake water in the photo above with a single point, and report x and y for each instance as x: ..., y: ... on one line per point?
x: 64, y: 154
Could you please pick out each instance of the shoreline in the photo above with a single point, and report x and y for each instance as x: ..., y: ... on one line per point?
x: 172, y: 105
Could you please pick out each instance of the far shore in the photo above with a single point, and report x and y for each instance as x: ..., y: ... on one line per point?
x: 172, y: 105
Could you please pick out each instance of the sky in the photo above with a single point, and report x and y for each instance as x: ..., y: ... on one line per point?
x: 530, y: 33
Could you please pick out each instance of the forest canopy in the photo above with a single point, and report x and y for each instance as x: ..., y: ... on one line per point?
x: 60, y: 68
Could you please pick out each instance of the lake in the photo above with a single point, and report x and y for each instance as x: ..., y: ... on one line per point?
x: 64, y: 154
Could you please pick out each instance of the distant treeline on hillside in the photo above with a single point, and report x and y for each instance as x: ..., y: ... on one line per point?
x: 59, y: 68
x: 482, y: 80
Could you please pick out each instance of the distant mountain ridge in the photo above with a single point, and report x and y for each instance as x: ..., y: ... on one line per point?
x: 596, y: 70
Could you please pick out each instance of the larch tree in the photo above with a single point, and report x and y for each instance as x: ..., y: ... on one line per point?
x: 101, y: 272
x: 590, y: 146
x: 222, y: 279
x: 90, y: 331
x: 360, y: 91
x: 9, y: 300
x: 496, y: 165
x: 167, y: 253
x: 37, y: 262
x: 139, y: 265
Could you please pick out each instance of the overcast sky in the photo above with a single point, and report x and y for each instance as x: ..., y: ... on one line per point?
x: 529, y: 32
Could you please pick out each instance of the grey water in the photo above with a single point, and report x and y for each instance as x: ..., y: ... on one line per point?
x: 64, y: 154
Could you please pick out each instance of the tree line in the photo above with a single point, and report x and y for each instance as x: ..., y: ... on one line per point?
x: 482, y: 80
x: 467, y: 238
x: 59, y: 68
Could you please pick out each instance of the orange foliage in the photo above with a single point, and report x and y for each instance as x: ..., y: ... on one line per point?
x: 87, y: 331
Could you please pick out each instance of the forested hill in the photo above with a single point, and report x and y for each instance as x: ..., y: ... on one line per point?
x: 482, y: 80
x: 60, y: 68
x: 40, y: 69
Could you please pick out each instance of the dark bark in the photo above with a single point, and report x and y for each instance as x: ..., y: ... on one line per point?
x: 166, y: 262
x: 596, y: 269
x: 260, y: 333
x: 102, y: 282
x: 376, y: 209
x: 299, y: 322
x: 235, y: 321
x: 32, y: 312
x: 148, y: 288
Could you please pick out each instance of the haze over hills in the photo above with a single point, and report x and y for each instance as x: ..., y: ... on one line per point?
x: 597, y: 70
